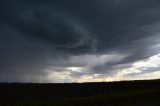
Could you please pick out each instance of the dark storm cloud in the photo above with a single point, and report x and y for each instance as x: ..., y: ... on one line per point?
x: 44, y: 23
x: 40, y: 34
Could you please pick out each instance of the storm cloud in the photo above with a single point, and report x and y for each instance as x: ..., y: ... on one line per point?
x: 70, y: 41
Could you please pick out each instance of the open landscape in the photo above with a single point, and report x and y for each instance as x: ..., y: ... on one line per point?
x: 123, y: 93
x: 79, y: 52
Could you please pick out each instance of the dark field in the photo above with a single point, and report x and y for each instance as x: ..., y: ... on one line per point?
x: 125, y: 93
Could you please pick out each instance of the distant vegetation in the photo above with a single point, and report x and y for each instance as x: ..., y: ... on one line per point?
x: 124, y: 93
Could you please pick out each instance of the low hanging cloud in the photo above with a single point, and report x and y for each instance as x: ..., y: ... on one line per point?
x: 76, y: 41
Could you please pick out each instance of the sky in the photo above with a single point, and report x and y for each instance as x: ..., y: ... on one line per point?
x: 63, y: 41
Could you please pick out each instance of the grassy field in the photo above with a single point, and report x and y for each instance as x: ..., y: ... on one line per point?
x: 125, y: 93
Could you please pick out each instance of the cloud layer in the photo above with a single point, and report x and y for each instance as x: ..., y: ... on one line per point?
x: 73, y: 41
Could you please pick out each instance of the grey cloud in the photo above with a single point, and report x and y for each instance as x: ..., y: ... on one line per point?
x: 146, y: 70
x: 38, y: 35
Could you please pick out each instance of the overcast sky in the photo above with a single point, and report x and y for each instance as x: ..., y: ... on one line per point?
x: 79, y: 40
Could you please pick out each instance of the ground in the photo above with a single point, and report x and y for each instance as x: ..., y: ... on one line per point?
x: 124, y: 93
